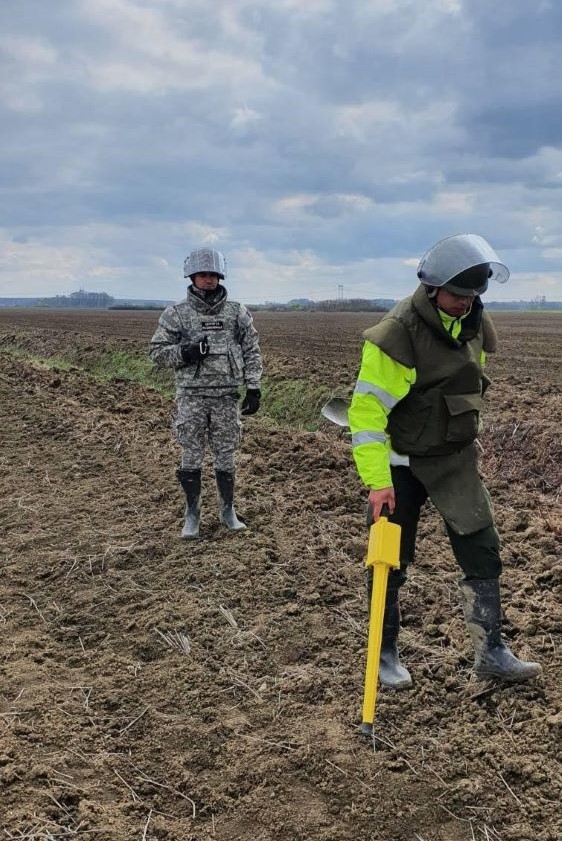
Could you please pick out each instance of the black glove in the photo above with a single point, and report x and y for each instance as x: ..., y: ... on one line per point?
x: 251, y: 402
x: 195, y: 351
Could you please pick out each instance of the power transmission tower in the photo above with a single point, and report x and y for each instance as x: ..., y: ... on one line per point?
x: 340, y: 292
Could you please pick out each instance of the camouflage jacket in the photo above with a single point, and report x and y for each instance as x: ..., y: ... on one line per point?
x: 234, y: 357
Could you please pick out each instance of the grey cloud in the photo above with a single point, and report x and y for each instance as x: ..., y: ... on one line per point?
x: 516, y: 132
x: 351, y: 131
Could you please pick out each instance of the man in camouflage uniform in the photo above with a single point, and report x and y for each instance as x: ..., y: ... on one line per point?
x: 212, y: 345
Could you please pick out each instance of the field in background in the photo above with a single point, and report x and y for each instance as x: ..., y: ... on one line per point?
x: 155, y: 689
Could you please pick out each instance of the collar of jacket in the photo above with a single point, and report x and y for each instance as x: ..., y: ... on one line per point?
x: 428, y: 312
x: 450, y: 322
x: 203, y: 305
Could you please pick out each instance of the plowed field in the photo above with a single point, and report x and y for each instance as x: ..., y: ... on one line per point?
x: 153, y: 689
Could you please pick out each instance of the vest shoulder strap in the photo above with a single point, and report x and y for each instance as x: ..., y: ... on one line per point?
x: 392, y: 337
x: 489, y: 335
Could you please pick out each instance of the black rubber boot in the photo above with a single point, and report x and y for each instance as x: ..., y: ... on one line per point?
x: 482, y: 612
x: 225, y: 488
x: 391, y: 672
x: 190, y: 480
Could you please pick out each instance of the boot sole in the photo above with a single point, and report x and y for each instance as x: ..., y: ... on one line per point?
x: 241, y: 527
x: 520, y: 678
x: 402, y: 684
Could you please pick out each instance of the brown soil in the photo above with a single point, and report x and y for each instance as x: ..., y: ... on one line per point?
x: 110, y: 732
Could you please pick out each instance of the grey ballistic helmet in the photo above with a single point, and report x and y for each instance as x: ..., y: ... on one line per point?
x: 463, y: 264
x: 205, y: 260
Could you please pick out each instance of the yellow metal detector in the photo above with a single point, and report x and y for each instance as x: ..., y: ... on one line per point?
x: 383, y: 554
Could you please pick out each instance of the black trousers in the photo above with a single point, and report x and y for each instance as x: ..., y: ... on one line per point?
x: 477, y: 554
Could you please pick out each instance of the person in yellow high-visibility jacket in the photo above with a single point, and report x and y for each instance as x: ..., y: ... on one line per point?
x: 414, y: 418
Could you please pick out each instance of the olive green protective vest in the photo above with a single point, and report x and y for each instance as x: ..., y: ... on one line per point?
x: 440, y: 413
x: 437, y: 422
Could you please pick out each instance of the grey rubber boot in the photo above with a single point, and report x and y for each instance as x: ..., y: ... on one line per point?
x: 392, y: 673
x: 227, y: 513
x: 482, y: 612
x: 190, y: 480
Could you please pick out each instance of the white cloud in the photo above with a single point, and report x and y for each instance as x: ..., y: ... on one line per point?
x: 294, y: 208
x: 204, y: 234
x: 528, y: 285
x: 34, y: 52
x: 296, y: 8
x: 294, y: 204
x: 453, y: 202
x: 452, y: 7
x: 27, y: 267
x: 360, y: 121
x: 302, y: 274
x: 28, y: 62
x: 150, y: 56
x: 244, y: 118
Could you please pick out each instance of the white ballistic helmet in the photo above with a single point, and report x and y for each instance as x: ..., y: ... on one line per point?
x: 204, y: 260
x: 463, y: 264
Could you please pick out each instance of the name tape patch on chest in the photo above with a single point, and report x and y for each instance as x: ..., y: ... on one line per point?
x: 214, y: 324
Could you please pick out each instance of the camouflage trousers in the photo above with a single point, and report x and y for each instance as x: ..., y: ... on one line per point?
x: 214, y: 418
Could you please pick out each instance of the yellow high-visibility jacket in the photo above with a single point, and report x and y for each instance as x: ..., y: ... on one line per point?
x: 381, y: 384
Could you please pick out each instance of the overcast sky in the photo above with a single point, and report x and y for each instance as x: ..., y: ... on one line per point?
x: 314, y: 142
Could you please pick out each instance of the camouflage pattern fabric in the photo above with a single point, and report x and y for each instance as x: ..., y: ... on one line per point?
x: 234, y: 357
x: 204, y: 260
x: 216, y: 418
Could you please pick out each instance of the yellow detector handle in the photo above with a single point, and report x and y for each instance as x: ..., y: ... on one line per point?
x: 383, y: 554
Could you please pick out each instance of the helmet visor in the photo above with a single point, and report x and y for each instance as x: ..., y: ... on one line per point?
x: 473, y: 281
x: 454, y: 255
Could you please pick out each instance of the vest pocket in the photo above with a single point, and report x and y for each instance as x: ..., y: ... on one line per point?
x: 408, y: 424
x: 236, y: 361
x: 462, y: 424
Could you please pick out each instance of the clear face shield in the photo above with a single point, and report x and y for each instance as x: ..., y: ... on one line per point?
x: 454, y: 255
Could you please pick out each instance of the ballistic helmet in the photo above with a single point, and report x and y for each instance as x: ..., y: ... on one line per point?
x: 204, y: 260
x: 463, y: 264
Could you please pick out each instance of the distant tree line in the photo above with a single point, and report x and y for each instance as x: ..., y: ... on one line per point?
x: 346, y: 305
x: 101, y: 300
x: 385, y: 304
x: 80, y: 299
x: 158, y: 307
x: 538, y: 303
